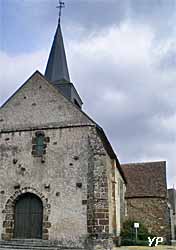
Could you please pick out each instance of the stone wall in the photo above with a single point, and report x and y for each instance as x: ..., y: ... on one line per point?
x: 60, y: 177
x: 104, y: 203
x: 39, y: 104
x: 73, y: 179
x: 152, y: 212
x: 99, y: 194
x: 118, y: 201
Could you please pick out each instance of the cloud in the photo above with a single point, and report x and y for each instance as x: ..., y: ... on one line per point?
x: 126, y: 91
x: 15, y: 70
x: 26, y: 22
x: 118, y: 71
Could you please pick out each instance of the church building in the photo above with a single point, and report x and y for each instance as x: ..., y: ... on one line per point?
x: 61, y: 183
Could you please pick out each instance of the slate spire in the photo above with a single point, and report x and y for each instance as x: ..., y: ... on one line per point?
x: 57, y: 69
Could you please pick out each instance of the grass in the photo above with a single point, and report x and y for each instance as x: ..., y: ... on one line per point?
x: 146, y: 248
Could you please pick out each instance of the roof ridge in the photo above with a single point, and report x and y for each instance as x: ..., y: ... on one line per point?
x: 142, y: 163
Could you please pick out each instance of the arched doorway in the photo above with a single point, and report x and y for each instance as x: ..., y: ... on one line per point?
x: 28, y: 217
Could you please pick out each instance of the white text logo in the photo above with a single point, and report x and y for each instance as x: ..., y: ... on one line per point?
x: 155, y: 240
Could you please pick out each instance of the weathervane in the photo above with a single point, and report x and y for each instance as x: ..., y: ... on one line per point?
x: 60, y: 6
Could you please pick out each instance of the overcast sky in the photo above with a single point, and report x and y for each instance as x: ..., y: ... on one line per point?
x: 122, y: 60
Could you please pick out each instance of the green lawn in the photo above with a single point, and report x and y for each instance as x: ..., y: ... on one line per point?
x: 146, y: 248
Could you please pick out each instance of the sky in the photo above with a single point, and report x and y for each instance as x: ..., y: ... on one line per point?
x: 122, y: 60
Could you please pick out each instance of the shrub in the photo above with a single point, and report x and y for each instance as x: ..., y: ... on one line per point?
x: 129, y: 242
x: 128, y: 234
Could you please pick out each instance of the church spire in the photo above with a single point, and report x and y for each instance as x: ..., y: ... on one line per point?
x: 57, y: 69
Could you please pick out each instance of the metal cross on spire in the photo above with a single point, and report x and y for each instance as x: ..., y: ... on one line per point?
x: 60, y: 6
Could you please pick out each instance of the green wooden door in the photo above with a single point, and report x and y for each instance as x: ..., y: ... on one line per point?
x: 28, y: 217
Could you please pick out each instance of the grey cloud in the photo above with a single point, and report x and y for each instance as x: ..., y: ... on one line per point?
x: 143, y: 95
x: 159, y: 14
x: 167, y: 61
x: 135, y: 123
x: 39, y: 19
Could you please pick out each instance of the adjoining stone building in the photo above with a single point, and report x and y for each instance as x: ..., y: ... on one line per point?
x: 172, y: 205
x: 59, y: 174
x: 146, y: 196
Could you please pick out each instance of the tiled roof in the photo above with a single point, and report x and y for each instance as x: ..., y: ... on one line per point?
x: 145, y: 179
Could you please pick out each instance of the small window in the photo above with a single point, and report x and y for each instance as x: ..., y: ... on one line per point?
x: 40, y: 144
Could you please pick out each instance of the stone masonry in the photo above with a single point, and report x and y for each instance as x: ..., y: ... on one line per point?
x: 152, y: 212
x: 74, y: 175
x: 146, y: 197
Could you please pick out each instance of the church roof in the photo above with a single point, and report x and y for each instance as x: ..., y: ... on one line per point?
x: 57, y: 68
x: 145, y: 179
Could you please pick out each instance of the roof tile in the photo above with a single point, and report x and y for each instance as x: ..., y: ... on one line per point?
x: 145, y: 179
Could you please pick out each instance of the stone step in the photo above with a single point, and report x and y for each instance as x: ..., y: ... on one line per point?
x: 31, y: 242
x: 32, y: 245
x: 26, y: 248
x: 16, y: 247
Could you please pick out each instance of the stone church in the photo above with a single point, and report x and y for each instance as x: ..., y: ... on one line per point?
x: 61, y: 183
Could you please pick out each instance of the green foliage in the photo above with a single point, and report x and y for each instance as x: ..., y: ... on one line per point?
x: 129, y: 242
x: 128, y: 234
